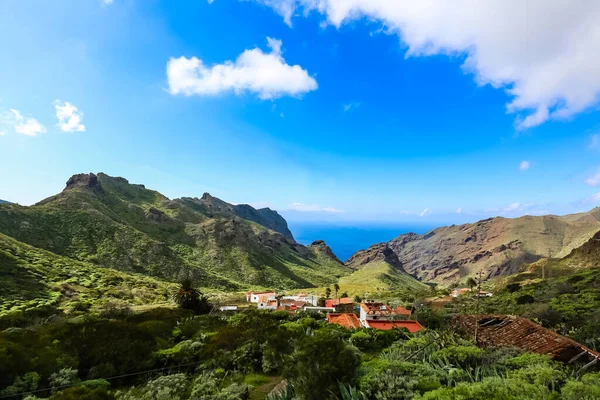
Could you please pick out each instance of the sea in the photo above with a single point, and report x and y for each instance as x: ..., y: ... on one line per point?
x: 347, y: 239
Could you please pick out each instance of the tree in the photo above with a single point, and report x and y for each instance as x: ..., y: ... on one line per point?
x: 189, y: 298
x: 433, y: 287
x: 471, y: 283
x: 336, y: 287
x: 319, y: 363
x: 357, y: 299
x: 344, y: 294
x: 328, y: 292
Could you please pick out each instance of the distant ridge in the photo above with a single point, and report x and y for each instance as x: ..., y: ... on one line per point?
x: 497, y: 246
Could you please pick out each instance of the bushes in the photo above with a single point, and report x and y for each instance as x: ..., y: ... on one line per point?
x: 319, y: 362
x: 525, y: 299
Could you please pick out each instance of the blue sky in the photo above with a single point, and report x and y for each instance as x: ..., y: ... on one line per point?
x: 353, y: 113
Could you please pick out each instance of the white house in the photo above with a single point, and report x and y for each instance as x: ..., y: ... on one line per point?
x: 255, y: 297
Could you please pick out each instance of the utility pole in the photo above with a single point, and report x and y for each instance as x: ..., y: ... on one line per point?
x: 479, y: 274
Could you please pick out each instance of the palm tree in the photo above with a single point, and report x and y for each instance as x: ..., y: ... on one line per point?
x: 189, y: 298
x: 328, y: 292
x: 471, y: 283
x: 336, y: 287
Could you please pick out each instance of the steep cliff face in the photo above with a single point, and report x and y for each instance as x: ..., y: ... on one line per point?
x: 377, y: 253
x: 498, y: 246
x: 112, y: 223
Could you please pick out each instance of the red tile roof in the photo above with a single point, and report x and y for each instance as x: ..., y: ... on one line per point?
x: 376, y: 308
x: 346, y: 320
x: 402, y: 311
x: 519, y: 332
x: 412, y: 326
x: 337, y: 302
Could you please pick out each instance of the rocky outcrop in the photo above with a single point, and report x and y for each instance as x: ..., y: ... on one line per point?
x: 496, y: 246
x: 89, y: 181
x: 265, y: 217
x: 377, y: 253
x: 320, y: 247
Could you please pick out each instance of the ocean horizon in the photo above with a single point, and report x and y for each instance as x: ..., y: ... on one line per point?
x: 347, y: 239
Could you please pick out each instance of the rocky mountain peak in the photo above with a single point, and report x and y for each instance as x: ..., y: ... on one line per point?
x: 89, y: 181
x: 377, y: 252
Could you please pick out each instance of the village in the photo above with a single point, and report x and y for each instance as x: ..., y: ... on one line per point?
x: 495, y: 330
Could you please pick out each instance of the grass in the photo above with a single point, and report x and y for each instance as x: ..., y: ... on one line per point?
x: 379, y: 277
x: 32, y: 279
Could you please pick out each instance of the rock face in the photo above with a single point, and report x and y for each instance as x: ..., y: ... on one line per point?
x: 498, y: 246
x: 265, y: 217
x: 320, y: 247
x: 89, y: 181
x: 377, y: 252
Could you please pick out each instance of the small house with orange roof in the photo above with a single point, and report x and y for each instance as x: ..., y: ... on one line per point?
x: 343, y: 305
x: 348, y: 321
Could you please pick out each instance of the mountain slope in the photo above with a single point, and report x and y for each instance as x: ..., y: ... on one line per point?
x: 109, y: 222
x: 378, y: 269
x: 32, y: 278
x: 4, y: 202
x: 498, y: 246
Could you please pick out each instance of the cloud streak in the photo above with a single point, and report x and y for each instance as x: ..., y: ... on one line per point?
x: 301, y: 207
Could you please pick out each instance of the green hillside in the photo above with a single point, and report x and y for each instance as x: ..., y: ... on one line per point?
x: 111, y: 223
x: 32, y: 278
x: 379, y: 276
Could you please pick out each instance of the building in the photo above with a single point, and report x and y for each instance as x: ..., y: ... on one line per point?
x: 228, y: 308
x: 377, y: 316
x: 310, y: 299
x: 267, y: 305
x: 401, y: 313
x: 319, y: 309
x: 348, y: 321
x: 518, y: 332
x: 412, y: 326
x: 255, y: 297
x: 289, y: 304
x: 372, y: 311
x: 343, y: 305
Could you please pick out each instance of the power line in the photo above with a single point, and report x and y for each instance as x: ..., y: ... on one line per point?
x: 106, y: 379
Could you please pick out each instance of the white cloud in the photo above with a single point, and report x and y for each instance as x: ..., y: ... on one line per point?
x: 313, y: 208
x: 544, y: 55
x: 2, y: 133
x: 266, y: 74
x: 69, y: 117
x: 459, y: 210
x: 524, y: 166
x: 107, y: 2
x: 513, y: 207
x: 595, y: 198
x: 28, y: 126
x: 593, y: 180
x: 425, y: 212
x: 351, y: 106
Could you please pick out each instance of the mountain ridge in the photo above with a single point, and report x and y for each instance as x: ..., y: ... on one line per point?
x: 499, y: 246
x: 110, y: 222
